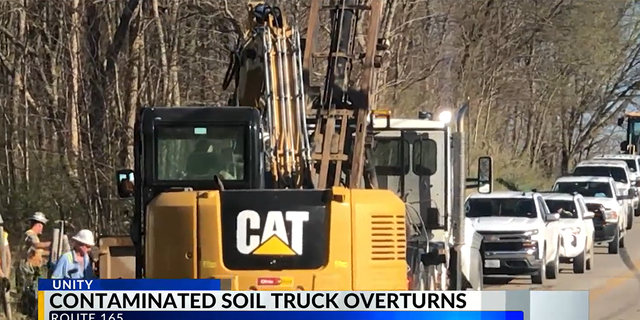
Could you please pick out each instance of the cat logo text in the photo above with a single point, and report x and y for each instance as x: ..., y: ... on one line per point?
x: 280, y: 234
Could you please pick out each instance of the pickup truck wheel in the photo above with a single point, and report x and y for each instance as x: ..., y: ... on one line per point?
x: 553, y: 267
x: 636, y: 212
x: 538, y: 277
x: 614, y: 245
x: 579, y: 263
x: 629, y: 221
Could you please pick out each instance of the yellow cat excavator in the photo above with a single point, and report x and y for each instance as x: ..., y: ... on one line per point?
x: 245, y: 194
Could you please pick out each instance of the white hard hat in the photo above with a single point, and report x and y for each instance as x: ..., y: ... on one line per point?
x: 84, y: 236
x: 39, y: 217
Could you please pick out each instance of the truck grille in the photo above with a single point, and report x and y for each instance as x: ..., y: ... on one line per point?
x: 507, y: 241
x: 388, y: 237
x: 504, y: 246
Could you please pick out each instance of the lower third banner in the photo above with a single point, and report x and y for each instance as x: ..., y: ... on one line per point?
x: 287, y: 315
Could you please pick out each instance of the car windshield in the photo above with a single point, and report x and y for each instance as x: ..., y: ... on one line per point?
x: 200, y: 153
x: 566, y: 208
x: 586, y: 189
x: 501, y: 207
x: 617, y: 173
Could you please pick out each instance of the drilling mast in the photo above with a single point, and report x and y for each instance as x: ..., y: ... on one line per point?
x: 340, y: 138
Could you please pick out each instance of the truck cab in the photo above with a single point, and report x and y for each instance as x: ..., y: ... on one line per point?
x: 414, y: 158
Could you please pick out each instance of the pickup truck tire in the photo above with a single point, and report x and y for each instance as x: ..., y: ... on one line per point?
x: 553, y: 267
x: 580, y: 263
x: 538, y: 277
x: 629, y: 221
x: 636, y: 212
x: 614, y: 245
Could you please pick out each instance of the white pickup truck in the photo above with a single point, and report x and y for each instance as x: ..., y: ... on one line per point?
x: 521, y: 236
x: 576, y: 227
x: 610, y: 225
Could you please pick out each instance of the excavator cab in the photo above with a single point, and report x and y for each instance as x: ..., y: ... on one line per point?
x: 192, y: 221
x: 632, y: 142
x: 181, y: 149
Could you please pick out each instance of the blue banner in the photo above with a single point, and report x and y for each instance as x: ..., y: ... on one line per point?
x: 285, y: 315
x: 129, y: 284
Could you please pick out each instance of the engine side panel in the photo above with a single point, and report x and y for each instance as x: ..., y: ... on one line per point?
x: 379, y: 240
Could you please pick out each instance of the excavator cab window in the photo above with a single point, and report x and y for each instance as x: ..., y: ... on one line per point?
x: 188, y: 147
x: 634, y: 132
x: 199, y: 152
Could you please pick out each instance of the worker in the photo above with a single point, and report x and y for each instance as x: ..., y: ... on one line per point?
x: 207, y: 160
x: 76, y: 264
x: 31, y: 263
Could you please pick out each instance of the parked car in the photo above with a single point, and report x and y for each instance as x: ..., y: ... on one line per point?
x: 601, y: 191
x: 619, y: 171
x: 633, y: 162
x: 576, y: 229
x: 521, y: 236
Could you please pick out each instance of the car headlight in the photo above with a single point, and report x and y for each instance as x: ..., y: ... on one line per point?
x: 531, y: 232
x: 574, y: 230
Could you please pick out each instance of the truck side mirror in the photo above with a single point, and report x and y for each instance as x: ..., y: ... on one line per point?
x: 485, y: 174
x: 621, y: 121
x: 125, y: 183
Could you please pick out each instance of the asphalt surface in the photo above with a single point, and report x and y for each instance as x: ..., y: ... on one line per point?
x: 613, y: 282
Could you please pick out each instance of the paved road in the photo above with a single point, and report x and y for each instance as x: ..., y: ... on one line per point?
x: 614, y: 282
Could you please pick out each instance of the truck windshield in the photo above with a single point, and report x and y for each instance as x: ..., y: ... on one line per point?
x: 501, y: 207
x: 200, y: 152
x: 617, y: 173
x: 586, y: 189
x: 566, y: 208
x: 391, y: 156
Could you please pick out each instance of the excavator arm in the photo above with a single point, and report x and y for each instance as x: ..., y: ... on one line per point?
x: 267, y: 69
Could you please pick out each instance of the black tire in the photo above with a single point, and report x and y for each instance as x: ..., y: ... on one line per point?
x: 614, y: 245
x: 636, y: 212
x: 629, y: 221
x: 553, y: 267
x: 621, y: 242
x: 580, y: 263
x: 538, y: 277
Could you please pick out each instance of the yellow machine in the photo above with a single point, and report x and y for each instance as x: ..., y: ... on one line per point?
x: 632, y: 142
x: 239, y: 193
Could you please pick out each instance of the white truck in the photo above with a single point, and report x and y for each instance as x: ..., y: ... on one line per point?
x: 414, y: 157
x: 610, y: 223
x: 619, y: 171
x: 521, y: 235
x: 633, y: 162
x: 576, y: 229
